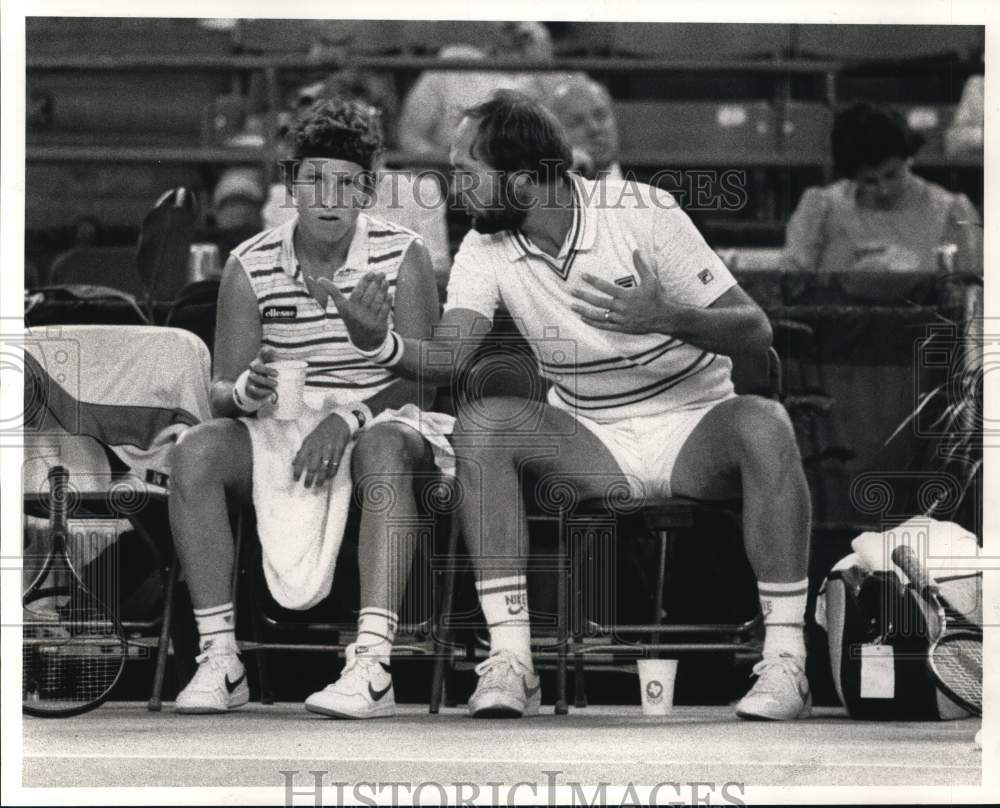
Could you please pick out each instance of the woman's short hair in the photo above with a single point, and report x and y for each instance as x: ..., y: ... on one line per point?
x: 517, y: 133
x: 343, y: 130
x: 865, y: 135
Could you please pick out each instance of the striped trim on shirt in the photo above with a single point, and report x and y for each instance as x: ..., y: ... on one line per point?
x: 293, y: 322
x: 624, y: 398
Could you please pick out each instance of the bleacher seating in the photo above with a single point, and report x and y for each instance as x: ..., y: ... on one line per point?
x: 719, y: 130
x: 103, y: 141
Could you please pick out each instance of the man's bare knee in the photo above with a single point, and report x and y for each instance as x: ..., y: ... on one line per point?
x: 764, y: 431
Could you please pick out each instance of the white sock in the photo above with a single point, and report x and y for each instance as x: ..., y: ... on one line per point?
x: 784, y: 607
x: 376, y: 632
x: 505, y: 606
x: 216, y: 626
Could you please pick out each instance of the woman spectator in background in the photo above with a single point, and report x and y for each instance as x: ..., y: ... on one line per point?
x: 879, y: 215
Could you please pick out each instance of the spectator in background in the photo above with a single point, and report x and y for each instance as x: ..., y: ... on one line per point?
x: 879, y: 216
x: 235, y: 212
x: 414, y: 201
x: 584, y: 108
x: 965, y: 135
x: 435, y: 103
x: 237, y: 198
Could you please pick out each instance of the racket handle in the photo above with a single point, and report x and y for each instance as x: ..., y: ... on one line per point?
x: 59, y: 505
x: 904, y: 558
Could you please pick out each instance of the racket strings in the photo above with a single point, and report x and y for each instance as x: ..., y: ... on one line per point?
x: 958, y: 663
x: 72, y: 651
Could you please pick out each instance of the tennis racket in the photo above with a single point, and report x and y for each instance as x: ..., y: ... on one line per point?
x: 73, y: 647
x: 955, y: 657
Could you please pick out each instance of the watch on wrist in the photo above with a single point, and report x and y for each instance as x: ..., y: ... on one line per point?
x: 362, y: 417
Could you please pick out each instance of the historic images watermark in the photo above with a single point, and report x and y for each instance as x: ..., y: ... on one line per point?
x: 316, y: 788
x: 693, y: 189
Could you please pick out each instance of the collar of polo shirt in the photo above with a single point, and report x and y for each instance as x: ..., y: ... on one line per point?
x: 580, y: 237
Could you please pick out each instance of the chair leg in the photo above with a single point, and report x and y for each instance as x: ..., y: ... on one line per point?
x: 666, y: 538
x: 442, y: 636
x: 256, y: 627
x: 579, y: 680
x: 562, y: 599
x: 263, y: 674
x: 156, y: 698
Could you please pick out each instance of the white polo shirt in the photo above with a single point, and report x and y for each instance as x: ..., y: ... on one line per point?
x: 603, y: 375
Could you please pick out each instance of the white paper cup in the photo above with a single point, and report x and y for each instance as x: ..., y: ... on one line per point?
x: 290, y: 399
x: 656, y: 685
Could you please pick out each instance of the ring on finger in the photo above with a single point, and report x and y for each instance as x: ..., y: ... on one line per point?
x: 607, y: 314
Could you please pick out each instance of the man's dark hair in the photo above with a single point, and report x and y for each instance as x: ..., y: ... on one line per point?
x: 343, y: 130
x: 865, y: 135
x: 516, y: 133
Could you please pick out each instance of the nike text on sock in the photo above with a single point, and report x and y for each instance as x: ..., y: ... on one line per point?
x: 376, y: 631
x: 783, y: 606
x: 216, y: 626
x: 504, y: 602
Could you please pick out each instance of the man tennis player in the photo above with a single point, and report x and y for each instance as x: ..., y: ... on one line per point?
x: 619, y: 271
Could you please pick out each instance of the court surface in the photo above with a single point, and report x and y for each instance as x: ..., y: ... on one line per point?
x: 123, y: 744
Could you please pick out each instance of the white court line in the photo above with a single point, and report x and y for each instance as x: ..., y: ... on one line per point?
x: 570, y: 761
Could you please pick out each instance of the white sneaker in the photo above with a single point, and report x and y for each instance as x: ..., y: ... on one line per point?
x: 364, y: 690
x: 219, y: 684
x: 780, y: 693
x: 508, y: 688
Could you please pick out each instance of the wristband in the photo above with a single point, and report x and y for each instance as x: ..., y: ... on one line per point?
x: 240, y: 397
x: 387, y: 354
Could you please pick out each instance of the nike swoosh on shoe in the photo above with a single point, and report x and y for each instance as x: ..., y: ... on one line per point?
x: 378, y: 694
x: 231, y: 686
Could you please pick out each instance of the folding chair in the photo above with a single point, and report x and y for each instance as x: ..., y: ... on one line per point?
x: 165, y: 239
x: 114, y: 267
x: 108, y: 403
x: 331, y: 625
x: 76, y: 304
x: 195, y: 310
x: 669, y: 519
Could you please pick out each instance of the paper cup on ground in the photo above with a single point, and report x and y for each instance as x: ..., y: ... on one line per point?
x: 291, y: 389
x: 656, y: 683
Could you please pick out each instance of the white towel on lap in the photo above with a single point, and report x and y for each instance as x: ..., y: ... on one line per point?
x: 301, y: 528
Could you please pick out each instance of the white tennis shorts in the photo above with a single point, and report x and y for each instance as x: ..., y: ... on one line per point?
x: 646, y: 448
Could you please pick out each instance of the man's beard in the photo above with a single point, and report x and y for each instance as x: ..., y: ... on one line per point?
x: 496, y: 220
x: 504, y: 214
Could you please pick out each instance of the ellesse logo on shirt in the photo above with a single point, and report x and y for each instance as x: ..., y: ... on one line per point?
x: 280, y: 312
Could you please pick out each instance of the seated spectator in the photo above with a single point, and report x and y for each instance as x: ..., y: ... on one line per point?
x: 359, y: 427
x: 237, y: 198
x: 965, y: 135
x: 436, y: 102
x: 414, y: 201
x: 879, y: 216
x: 585, y: 110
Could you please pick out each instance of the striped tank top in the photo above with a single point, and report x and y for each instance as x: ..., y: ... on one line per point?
x: 296, y: 326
